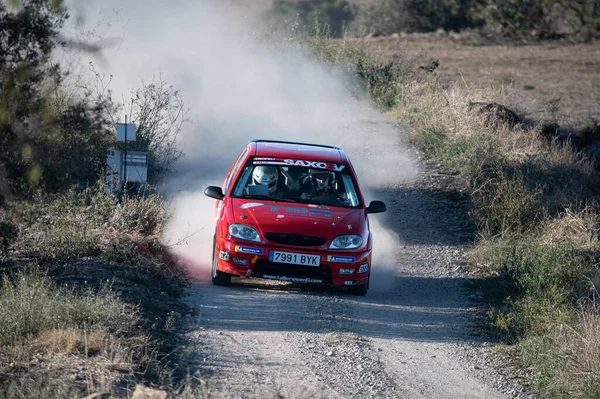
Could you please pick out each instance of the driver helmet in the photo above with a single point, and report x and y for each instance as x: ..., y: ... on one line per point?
x: 266, y: 175
x: 322, y: 180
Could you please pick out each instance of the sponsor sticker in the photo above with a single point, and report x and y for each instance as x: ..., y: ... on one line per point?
x: 292, y: 279
x: 248, y: 205
x: 344, y: 259
x: 223, y: 255
x: 292, y: 211
x: 348, y: 282
x: 363, y: 268
x: 249, y: 250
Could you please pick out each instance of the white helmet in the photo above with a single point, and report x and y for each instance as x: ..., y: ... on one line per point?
x: 322, y: 179
x: 266, y: 175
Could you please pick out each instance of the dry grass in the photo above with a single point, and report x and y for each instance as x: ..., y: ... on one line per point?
x: 32, y: 303
x: 578, y: 229
x: 83, y: 328
x: 589, y: 341
x: 538, y: 224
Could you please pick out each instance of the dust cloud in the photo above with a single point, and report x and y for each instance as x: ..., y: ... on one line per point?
x: 237, y: 89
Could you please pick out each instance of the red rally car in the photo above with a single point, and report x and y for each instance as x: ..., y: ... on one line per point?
x: 292, y: 212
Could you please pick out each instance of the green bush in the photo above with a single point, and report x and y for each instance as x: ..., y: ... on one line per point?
x: 503, y: 201
x: 514, y: 17
x: 48, y: 138
x: 380, y: 81
x: 540, y: 281
x: 393, y: 16
x: 309, y: 16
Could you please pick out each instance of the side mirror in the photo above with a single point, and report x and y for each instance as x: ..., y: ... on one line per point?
x: 376, y: 207
x: 214, y: 192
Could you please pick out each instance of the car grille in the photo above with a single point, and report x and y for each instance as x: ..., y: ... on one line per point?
x: 264, y: 267
x: 296, y: 239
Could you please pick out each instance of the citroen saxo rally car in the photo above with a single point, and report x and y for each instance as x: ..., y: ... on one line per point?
x: 292, y: 212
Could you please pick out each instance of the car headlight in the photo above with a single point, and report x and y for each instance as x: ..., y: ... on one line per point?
x: 348, y: 241
x: 244, y: 232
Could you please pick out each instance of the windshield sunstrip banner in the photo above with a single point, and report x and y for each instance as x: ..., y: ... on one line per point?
x: 299, y: 162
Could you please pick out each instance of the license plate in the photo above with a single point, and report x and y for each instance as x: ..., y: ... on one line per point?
x: 294, y: 259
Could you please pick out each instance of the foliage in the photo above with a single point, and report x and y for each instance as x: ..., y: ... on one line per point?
x: 89, y: 223
x: 519, y: 19
x: 159, y: 113
x: 393, y: 16
x: 514, y: 17
x: 582, y: 16
x: 335, y: 15
x: 539, y: 18
x: 144, y: 215
x: 26, y: 42
x: 32, y: 303
x: 590, y: 132
x: 503, y: 201
x: 46, y: 140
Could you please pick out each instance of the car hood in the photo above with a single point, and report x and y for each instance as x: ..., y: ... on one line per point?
x: 306, y: 219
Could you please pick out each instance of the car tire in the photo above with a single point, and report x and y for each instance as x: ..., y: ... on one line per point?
x: 359, y: 290
x: 218, y: 277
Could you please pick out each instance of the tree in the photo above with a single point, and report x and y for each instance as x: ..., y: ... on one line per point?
x: 27, y: 38
x: 159, y: 113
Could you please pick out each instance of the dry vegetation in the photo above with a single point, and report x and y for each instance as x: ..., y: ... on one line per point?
x: 87, y: 288
x: 87, y: 296
x: 533, y: 199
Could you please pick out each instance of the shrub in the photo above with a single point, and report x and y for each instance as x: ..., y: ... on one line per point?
x: 32, y: 303
x: 503, y: 202
x: 590, y: 132
x: 90, y: 222
x: 513, y: 17
x: 393, y: 16
x: 565, y: 357
x: 380, y: 81
x: 309, y: 16
x: 141, y: 215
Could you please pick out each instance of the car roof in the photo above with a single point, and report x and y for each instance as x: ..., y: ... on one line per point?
x: 294, y: 150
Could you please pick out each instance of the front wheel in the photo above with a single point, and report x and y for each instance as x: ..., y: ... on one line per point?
x: 218, y: 277
x: 359, y: 290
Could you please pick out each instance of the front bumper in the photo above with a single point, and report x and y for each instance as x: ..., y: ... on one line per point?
x: 252, y: 260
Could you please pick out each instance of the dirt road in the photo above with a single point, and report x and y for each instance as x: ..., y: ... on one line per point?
x: 260, y: 339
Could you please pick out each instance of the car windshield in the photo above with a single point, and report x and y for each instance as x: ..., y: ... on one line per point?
x: 300, y: 181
